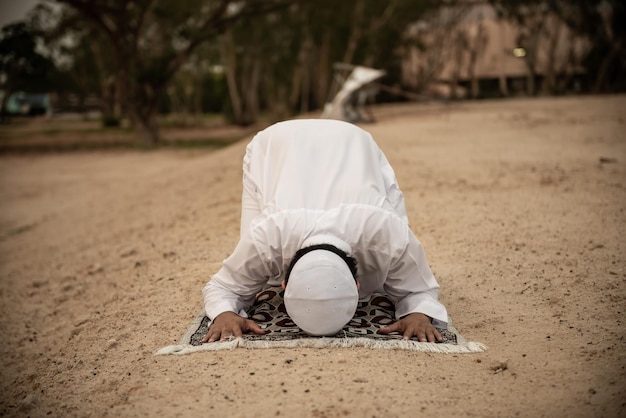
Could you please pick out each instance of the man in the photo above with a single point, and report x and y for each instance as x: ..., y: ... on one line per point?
x: 322, y: 214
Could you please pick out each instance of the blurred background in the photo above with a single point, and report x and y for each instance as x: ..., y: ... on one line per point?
x: 152, y: 71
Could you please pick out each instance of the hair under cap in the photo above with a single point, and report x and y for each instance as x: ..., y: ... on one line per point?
x: 321, y: 296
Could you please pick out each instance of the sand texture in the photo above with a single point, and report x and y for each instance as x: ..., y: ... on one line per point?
x: 520, y: 204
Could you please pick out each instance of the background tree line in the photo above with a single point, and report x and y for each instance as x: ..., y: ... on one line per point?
x: 601, y: 22
x: 245, y: 58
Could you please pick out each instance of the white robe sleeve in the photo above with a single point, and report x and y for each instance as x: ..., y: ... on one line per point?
x: 392, y: 189
x: 412, y: 286
x: 234, y: 287
x: 251, y: 203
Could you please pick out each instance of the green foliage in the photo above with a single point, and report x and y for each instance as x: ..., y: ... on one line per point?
x: 150, y: 41
x: 214, y: 93
x: 23, y: 67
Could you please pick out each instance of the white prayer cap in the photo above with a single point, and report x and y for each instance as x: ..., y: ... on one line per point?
x: 321, y: 296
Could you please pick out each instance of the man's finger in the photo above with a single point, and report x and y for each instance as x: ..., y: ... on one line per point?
x: 408, y: 333
x: 390, y: 328
x: 254, y: 327
x: 433, y: 335
x: 213, y: 336
x: 226, y: 336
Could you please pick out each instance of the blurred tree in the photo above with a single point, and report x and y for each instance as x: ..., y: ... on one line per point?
x: 438, y: 40
x: 601, y: 22
x: 276, y: 55
x: 530, y: 18
x: 84, y: 59
x: 199, y: 85
x: 370, y: 34
x: 243, y: 69
x: 152, y: 39
x: 284, y: 61
x: 477, y: 38
x: 22, y: 67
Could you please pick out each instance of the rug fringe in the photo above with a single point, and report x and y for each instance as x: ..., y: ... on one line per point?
x: 465, y: 347
x: 183, y: 347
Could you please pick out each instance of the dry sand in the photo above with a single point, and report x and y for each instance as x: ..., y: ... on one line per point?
x: 103, y: 257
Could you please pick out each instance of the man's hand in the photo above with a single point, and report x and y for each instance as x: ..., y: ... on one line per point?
x: 414, y: 325
x: 229, y: 324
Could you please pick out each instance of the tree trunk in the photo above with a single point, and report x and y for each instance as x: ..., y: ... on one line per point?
x: 478, y: 44
x: 104, y: 79
x: 143, y: 106
x: 228, y: 54
x: 149, y: 128
x: 530, y: 83
x: 150, y: 131
x: 305, y: 63
x: 502, y: 79
x: 549, y: 82
x: 531, y: 63
x: 296, y: 84
x: 323, y: 71
x: 598, y: 85
x: 118, y: 98
x: 355, y: 35
x: 502, y: 84
x: 251, y: 96
x: 460, y: 45
x: 199, y: 93
x: 305, y: 91
x: 4, y: 114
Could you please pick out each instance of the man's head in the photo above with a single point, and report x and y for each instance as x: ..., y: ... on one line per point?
x: 321, y: 292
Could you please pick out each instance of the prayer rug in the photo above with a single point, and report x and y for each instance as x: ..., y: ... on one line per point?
x: 269, y: 312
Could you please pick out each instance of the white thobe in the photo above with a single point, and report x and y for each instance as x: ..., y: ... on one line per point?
x: 303, y: 178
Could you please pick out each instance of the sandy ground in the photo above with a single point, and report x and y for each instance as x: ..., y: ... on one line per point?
x: 520, y: 205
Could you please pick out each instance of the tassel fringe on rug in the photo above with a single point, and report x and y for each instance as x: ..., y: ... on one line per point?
x: 280, y: 332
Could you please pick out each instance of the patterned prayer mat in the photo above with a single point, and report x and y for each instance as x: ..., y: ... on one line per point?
x: 280, y: 331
